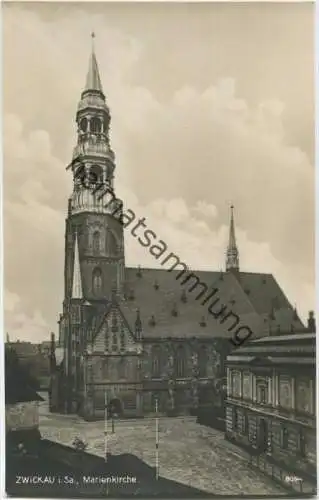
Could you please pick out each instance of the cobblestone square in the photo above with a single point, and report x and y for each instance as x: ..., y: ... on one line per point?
x: 189, y: 453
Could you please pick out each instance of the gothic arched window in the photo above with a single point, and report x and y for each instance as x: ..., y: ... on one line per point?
x: 202, y: 361
x: 95, y: 174
x: 180, y: 362
x: 122, y: 368
x: 110, y: 243
x: 156, y: 361
x: 96, y: 243
x: 122, y: 340
x: 95, y: 125
x: 83, y: 124
x: 97, y: 281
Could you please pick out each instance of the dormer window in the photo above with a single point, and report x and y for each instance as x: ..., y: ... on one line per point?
x: 184, y: 297
x: 131, y: 295
x: 152, y: 321
x: 174, y: 311
x: 202, y: 322
x: 156, y: 285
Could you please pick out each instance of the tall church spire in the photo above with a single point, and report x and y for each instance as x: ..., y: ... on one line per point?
x: 77, y: 282
x: 232, y: 256
x: 93, y: 80
x: 93, y: 158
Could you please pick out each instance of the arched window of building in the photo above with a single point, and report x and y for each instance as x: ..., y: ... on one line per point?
x: 122, y: 368
x: 95, y: 175
x: 156, y: 361
x: 202, y: 361
x: 114, y: 346
x: 96, y: 243
x: 110, y: 243
x: 95, y: 125
x: 83, y: 125
x: 122, y: 339
x: 97, y: 282
x: 180, y: 362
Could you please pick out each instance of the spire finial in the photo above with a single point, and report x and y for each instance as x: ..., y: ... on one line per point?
x: 93, y: 37
x: 93, y: 80
x: 232, y: 260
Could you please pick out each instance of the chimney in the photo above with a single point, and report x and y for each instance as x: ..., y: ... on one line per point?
x: 311, y: 322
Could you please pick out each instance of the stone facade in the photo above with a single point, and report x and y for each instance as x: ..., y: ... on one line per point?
x: 270, y: 407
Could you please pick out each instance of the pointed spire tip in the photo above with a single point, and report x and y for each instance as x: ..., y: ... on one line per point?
x: 93, y: 80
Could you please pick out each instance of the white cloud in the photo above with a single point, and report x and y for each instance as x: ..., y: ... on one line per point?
x: 206, y: 209
x: 181, y: 161
x: 11, y: 300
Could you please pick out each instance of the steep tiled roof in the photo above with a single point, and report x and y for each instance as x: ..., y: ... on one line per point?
x: 256, y: 298
x: 168, y: 308
x: 264, y: 292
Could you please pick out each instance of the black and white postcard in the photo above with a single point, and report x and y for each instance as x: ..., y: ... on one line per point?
x: 159, y: 227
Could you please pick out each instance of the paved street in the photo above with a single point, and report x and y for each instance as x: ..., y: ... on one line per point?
x: 191, y: 454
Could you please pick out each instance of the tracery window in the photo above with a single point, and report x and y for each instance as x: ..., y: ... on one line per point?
x: 110, y: 243
x: 96, y: 243
x: 156, y: 361
x: 202, y: 361
x: 97, y: 281
x: 122, y: 368
x: 122, y: 340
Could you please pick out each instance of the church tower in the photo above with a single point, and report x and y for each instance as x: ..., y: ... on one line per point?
x: 94, y: 240
x: 232, y: 255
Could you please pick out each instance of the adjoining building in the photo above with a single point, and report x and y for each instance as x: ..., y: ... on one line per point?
x: 35, y: 358
x: 133, y: 335
x: 21, y: 405
x: 271, y: 407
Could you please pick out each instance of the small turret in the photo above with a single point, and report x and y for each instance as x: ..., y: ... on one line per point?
x: 232, y: 256
x: 311, y: 322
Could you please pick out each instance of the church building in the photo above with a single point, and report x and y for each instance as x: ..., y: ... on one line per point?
x: 141, y: 337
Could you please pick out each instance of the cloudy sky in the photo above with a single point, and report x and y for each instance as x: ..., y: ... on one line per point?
x: 211, y: 104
